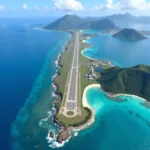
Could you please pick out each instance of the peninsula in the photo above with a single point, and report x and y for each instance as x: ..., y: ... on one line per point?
x: 76, y: 72
x: 134, y: 80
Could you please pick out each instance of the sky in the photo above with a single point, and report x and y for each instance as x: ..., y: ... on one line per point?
x: 50, y: 8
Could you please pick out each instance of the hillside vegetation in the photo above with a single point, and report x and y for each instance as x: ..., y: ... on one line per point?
x: 73, y: 22
x: 129, y: 34
x: 135, y: 80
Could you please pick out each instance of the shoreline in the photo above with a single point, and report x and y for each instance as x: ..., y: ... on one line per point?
x: 84, y: 100
x: 56, y: 87
x: 122, y: 94
x: 85, y: 41
x: 58, y: 96
x: 86, y: 105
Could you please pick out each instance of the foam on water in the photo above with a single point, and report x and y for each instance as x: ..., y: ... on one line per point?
x: 24, y: 113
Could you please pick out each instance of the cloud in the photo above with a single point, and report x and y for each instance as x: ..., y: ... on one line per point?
x: 134, y: 4
x: 124, y: 5
x: 41, y: 8
x: 68, y: 5
x: 109, y: 5
x: 2, y: 7
x: 24, y: 7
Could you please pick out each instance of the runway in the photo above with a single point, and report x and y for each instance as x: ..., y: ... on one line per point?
x: 71, y: 100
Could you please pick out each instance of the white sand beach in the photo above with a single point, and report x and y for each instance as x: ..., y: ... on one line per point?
x: 84, y: 100
x: 117, y: 95
x: 85, y: 104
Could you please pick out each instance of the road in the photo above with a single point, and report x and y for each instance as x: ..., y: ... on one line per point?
x: 72, y: 92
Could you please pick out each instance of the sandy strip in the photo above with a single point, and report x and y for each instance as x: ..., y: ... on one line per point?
x: 84, y: 100
x: 130, y: 95
x: 85, y: 104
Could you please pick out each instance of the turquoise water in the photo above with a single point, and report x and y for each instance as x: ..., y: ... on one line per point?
x: 35, y: 118
x: 121, y: 123
x: 119, y: 52
x: 28, y: 64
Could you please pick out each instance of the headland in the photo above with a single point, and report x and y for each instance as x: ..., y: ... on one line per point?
x: 86, y: 77
x: 75, y: 76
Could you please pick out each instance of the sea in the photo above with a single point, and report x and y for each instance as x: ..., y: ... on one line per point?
x: 28, y: 64
x: 119, y: 52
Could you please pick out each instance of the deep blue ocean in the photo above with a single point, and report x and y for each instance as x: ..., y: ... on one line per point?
x: 27, y: 65
x: 23, y: 52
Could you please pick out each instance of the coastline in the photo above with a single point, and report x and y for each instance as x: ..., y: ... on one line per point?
x: 122, y: 94
x: 58, y: 95
x: 85, y: 41
x: 49, y: 91
x: 63, y: 135
x: 84, y: 100
x: 86, y: 105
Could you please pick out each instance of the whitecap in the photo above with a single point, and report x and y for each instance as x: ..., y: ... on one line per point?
x: 76, y: 134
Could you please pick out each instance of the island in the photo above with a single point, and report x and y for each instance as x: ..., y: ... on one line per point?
x: 129, y: 34
x: 133, y: 80
x: 77, y: 72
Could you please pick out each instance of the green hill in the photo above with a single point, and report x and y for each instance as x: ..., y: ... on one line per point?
x: 135, y: 80
x: 73, y: 22
x: 67, y: 22
x: 129, y: 34
x: 103, y: 25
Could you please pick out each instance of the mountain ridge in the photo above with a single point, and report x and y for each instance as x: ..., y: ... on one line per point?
x: 74, y: 22
x: 123, y: 18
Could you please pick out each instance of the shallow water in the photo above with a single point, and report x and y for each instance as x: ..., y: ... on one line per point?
x: 119, y: 52
x: 120, y: 125
x: 25, y: 54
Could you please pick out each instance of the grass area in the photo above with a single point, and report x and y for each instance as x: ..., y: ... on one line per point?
x: 84, y: 62
x: 66, y: 62
x: 62, y: 80
x: 75, y: 121
x: 70, y: 113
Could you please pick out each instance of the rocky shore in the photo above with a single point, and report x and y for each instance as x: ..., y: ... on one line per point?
x: 51, y: 134
x: 64, y: 134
